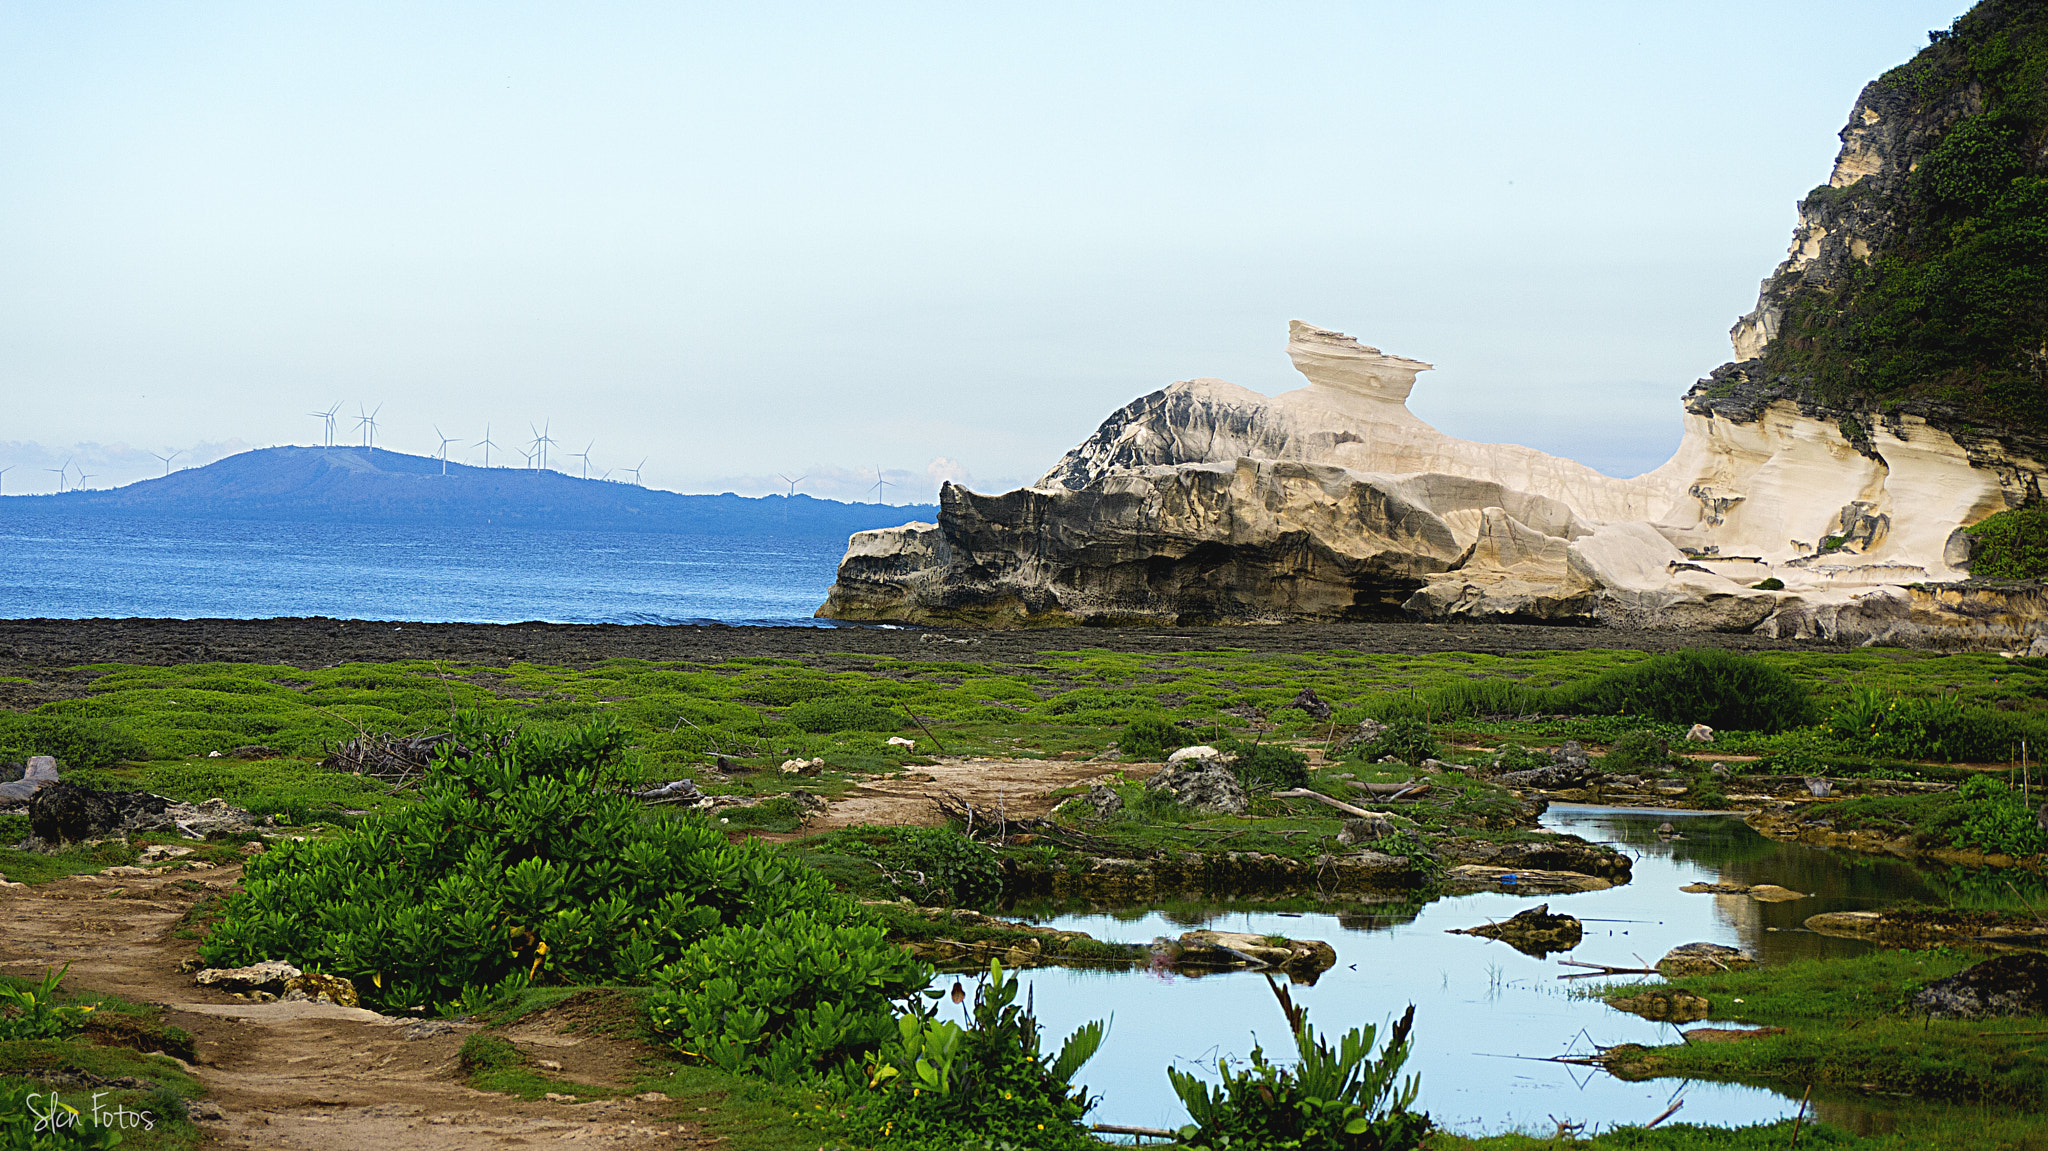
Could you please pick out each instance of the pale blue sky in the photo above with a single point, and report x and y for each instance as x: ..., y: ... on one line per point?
x: 743, y: 239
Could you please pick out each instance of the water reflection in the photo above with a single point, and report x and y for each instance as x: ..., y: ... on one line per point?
x: 1486, y: 1015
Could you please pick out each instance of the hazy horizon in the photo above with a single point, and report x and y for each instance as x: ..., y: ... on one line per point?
x: 813, y: 240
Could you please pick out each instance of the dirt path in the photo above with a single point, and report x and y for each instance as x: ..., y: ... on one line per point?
x: 1018, y: 787
x: 315, y: 1077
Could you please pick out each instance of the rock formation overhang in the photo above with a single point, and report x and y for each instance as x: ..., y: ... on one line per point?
x: 1205, y: 502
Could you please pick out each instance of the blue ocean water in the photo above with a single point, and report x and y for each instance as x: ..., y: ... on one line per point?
x: 75, y: 567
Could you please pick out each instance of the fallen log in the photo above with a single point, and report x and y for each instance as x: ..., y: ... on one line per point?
x: 1602, y: 969
x: 1121, y: 1129
x: 1319, y: 797
x: 1383, y: 788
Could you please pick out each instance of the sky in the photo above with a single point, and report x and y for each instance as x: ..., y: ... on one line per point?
x: 941, y: 241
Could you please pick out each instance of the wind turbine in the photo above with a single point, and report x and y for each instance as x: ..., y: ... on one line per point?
x: 607, y: 475
x: 880, y: 483
x: 584, y: 455
x: 529, y: 457
x: 541, y: 440
x: 635, y: 469
x: 368, y: 425
x: 486, y: 445
x: 794, y: 482
x: 445, y: 441
x: 328, y: 416
x: 5, y: 470
x: 61, y: 473
x: 83, y: 476
x: 167, y: 460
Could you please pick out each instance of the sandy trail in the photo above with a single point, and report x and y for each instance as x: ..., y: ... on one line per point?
x: 316, y: 1078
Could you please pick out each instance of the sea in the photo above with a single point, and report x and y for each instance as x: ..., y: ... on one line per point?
x: 77, y: 567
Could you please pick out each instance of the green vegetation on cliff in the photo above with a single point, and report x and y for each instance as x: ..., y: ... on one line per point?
x: 1951, y: 305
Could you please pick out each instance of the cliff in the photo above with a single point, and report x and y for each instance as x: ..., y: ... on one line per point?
x: 1889, y: 394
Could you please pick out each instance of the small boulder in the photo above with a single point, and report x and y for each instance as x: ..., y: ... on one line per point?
x: 67, y: 813
x: 1569, y: 767
x: 1307, y: 701
x: 1772, y: 893
x: 1701, y: 959
x: 1198, y: 751
x: 1700, y: 733
x: 1664, y: 1005
x: 2039, y: 648
x: 1534, y: 931
x: 1357, y: 831
x: 1104, y: 801
x: 1206, y: 785
x: 270, y: 976
x: 2015, y: 984
x: 321, y: 989
x: 1819, y: 788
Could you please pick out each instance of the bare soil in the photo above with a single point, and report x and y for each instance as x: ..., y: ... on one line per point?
x: 315, y: 1077
x: 1016, y: 787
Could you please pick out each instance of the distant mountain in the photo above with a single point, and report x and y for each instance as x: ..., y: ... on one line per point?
x: 354, y: 485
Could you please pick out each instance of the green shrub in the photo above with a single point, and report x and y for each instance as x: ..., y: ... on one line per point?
x: 1338, y: 1098
x: 2011, y: 545
x: 784, y: 997
x: 519, y: 864
x: 32, y: 1012
x: 940, y: 1086
x: 1267, y: 766
x: 1409, y: 740
x: 1149, y: 737
x: 1699, y: 685
x: 825, y: 716
x: 1639, y: 749
x: 1514, y: 757
x: 78, y: 744
x: 1994, y: 819
x: 936, y: 866
x: 33, y: 1118
x: 1925, y: 727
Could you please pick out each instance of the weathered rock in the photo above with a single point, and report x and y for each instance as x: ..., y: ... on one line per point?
x: 1104, y: 801
x: 2015, y: 984
x: 1772, y: 893
x: 1716, y: 888
x: 270, y: 976
x: 1476, y: 877
x: 1569, y: 766
x: 1367, y: 732
x: 67, y: 813
x: 1700, y: 733
x: 1357, y: 831
x: 320, y: 989
x: 1206, y: 785
x: 1534, y: 931
x: 1554, y: 853
x: 1819, y: 788
x: 1306, y: 700
x: 39, y: 772
x: 1664, y: 1004
x: 1702, y: 959
x: 2038, y: 649
x: 1234, y: 949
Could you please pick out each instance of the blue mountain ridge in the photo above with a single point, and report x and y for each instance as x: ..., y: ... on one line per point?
x: 374, y: 486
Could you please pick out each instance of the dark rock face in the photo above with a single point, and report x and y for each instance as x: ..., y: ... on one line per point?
x: 2014, y: 984
x: 68, y: 813
x: 1569, y: 767
x: 1105, y: 801
x: 1534, y: 931
x: 1307, y: 700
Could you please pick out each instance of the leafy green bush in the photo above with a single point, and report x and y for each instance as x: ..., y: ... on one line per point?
x: 1409, y: 740
x: 1267, y: 766
x: 1699, y: 685
x: 1514, y: 757
x: 785, y: 996
x: 33, y: 1118
x: 1925, y: 727
x: 77, y: 743
x: 1994, y: 819
x: 1338, y: 1098
x: 937, y: 1085
x: 2012, y: 544
x: 520, y: 863
x: 32, y: 1012
x: 936, y: 866
x: 825, y: 716
x: 1639, y: 749
x: 1149, y: 737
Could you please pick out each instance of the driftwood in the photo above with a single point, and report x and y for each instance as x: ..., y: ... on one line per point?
x: 1144, y: 1132
x: 1602, y: 969
x: 395, y: 759
x: 1319, y: 797
x: 998, y: 825
x: 1409, y: 789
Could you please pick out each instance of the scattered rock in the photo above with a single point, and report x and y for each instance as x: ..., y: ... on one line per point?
x: 803, y: 766
x: 1532, y: 932
x: 1104, y: 801
x: 1569, y: 767
x: 1357, y: 831
x: 678, y: 789
x: 158, y: 852
x: 1202, y: 784
x: 322, y: 989
x: 2015, y: 984
x: 1701, y: 959
x: 1729, y: 1034
x: 204, y: 1111
x: 1306, y: 700
x: 1772, y: 893
x: 1664, y: 1005
x: 1369, y: 731
x: 1700, y: 733
x: 39, y: 772
x: 271, y: 975
x: 430, y: 1028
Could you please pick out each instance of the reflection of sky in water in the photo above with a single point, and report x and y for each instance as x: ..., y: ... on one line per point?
x: 119, y: 567
x: 1479, y: 1004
